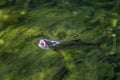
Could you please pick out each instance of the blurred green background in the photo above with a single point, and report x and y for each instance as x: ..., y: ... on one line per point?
x: 24, y: 22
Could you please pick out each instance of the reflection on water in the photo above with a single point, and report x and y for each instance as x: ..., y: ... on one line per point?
x: 24, y: 23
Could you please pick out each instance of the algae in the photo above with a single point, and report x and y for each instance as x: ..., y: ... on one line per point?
x: 24, y: 22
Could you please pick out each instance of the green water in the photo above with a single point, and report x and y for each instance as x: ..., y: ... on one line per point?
x: 24, y: 22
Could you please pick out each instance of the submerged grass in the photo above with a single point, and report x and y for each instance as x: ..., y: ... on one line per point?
x: 21, y: 28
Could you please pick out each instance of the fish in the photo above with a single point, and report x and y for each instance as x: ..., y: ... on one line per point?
x: 65, y: 45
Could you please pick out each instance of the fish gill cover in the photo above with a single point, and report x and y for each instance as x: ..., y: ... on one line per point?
x: 24, y: 22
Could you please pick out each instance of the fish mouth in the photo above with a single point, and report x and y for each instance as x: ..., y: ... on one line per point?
x: 42, y: 44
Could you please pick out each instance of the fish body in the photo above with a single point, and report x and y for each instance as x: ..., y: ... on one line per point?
x: 66, y: 45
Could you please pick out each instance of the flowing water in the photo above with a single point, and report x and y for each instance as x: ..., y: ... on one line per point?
x: 24, y: 22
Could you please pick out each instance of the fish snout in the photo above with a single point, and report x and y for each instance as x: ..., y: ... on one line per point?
x: 42, y: 44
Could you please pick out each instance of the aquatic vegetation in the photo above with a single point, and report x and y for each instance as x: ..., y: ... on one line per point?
x: 24, y: 22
